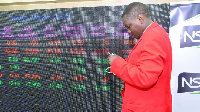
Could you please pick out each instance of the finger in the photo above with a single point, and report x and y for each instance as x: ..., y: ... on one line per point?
x: 109, y: 57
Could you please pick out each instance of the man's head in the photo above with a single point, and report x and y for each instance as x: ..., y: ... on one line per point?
x: 136, y: 18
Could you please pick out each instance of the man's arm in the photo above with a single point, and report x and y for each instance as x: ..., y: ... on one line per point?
x: 148, y: 68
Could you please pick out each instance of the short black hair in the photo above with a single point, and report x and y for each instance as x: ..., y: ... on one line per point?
x: 136, y: 8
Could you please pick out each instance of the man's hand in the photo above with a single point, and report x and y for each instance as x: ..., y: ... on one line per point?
x: 111, y: 58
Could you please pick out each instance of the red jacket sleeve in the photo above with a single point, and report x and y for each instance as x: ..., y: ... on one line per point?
x: 145, y: 72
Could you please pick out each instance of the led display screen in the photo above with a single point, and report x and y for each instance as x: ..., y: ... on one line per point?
x: 55, y: 60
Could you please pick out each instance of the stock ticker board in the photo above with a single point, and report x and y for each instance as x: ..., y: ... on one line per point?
x: 55, y: 60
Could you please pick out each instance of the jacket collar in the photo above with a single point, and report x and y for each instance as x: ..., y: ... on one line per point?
x: 152, y: 25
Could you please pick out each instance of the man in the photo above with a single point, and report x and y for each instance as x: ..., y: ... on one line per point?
x: 147, y: 71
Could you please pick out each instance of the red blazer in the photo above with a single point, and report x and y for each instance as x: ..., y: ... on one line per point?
x: 147, y: 73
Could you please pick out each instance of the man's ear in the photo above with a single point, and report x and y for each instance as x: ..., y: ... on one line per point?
x: 140, y: 19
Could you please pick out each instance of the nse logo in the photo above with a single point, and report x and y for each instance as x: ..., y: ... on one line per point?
x: 189, y: 82
x: 190, y: 36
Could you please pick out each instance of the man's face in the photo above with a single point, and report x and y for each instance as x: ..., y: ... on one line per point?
x: 134, y: 27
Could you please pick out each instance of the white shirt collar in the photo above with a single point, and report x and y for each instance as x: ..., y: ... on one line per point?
x: 147, y: 27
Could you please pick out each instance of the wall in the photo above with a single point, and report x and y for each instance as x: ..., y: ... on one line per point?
x: 50, y: 4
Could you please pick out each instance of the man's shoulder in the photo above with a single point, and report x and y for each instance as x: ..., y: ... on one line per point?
x: 156, y: 29
x: 155, y: 25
